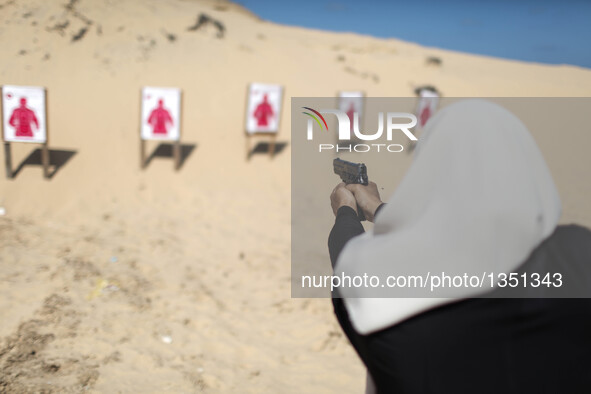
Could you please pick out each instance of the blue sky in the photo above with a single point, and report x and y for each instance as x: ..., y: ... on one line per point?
x: 542, y: 31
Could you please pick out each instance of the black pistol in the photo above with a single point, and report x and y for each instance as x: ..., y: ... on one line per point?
x: 351, y: 173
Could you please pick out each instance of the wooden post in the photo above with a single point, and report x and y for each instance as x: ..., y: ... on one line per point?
x: 176, y: 153
x: 272, y: 145
x: 247, y: 145
x: 45, y: 160
x: 142, y: 153
x: 8, y: 160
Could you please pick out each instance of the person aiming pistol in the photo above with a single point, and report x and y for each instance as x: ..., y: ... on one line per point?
x: 492, y: 210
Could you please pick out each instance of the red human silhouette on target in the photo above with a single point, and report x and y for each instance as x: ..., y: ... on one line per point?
x: 425, y: 115
x: 262, y: 112
x: 351, y: 115
x: 22, y: 118
x: 160, y: 119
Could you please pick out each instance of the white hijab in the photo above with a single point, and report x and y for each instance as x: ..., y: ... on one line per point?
x: 478, y: 197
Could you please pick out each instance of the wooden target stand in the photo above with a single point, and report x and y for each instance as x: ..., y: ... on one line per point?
x: 176, y: 153
x: 44, y: 147
x: 272, y: 136
x: 8, y: 158
x: 176, y: 144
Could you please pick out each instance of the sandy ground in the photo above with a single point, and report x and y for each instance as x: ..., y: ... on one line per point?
x: 114, y: 279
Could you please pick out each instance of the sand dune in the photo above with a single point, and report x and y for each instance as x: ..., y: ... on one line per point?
x: 114, y: 279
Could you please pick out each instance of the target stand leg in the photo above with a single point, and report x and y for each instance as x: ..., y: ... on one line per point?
x: 272, y: 145
x: 177, y: 155
x: 142, y: 154
x: 45, y: 160
x: 247, y: 146
x: 8, y: 160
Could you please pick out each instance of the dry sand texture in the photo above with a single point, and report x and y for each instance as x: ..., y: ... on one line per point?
x: 118, y: 280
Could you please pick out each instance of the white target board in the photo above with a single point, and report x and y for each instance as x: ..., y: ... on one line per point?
x: 351, y: 102
x: 263, y: 108
x: 428, y: 102
x: 161, y: 114
x: 23, y: 112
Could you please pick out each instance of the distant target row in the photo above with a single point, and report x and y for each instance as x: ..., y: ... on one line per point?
x: 25, y: 117
x: 25, y: 112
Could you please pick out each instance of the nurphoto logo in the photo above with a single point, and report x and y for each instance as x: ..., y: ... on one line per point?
x: 347, y: 124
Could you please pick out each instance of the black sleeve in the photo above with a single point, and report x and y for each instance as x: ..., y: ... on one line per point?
x: 346, y: 226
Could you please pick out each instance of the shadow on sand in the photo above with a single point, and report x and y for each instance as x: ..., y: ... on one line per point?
x: 57, y: 159
x: 165, y: 150
x: 265, y: 148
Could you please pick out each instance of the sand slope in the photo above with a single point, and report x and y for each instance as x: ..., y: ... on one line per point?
x: 114, y: 279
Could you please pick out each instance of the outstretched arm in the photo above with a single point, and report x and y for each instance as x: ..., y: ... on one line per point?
x: 346, y: 226
x: 345, y: 200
